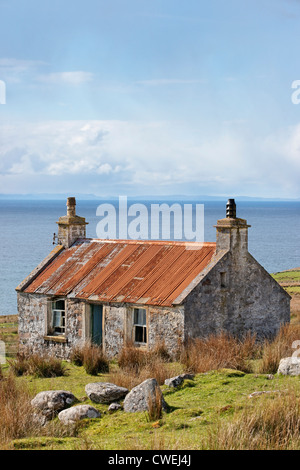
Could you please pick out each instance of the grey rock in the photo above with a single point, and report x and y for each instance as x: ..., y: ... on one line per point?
x: 104, y: 392
x: 114, y: 407
x: 289, y: 366
x: 178, y: 380
x: 139, y: 397
x: 74, y: 414
x: 50, y: 402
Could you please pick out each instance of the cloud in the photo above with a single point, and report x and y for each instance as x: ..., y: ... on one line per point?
x: 69, y: 78
x: 128, y: 157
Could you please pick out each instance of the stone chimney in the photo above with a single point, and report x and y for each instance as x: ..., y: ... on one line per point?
x: 232, y: 233
x: 70, y: 226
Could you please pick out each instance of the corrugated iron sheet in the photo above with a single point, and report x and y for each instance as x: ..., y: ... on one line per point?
x: 147, y: 272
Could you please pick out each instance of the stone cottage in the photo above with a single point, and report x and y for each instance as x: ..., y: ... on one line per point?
x: 111, y: 291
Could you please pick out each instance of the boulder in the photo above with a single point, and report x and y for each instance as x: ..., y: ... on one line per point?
x: 139, y: 397
x: 104, y: 392
x: 50, y: 402
x: 289, y: 366
x: 178, y: 380
x: 114, y: 407
x: 75, y: 413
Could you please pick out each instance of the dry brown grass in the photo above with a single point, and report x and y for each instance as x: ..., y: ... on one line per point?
x: 91, y: 357
x: 136, y: 365
x: 16, y: 415
x: 280, y: 347
x: 271, y: 423
x: 218, y: 352
x: 155, y: 408
x: 39, y: 365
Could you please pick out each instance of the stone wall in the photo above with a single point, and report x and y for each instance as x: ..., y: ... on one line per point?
x: 34, y: 334
x: 166, y: 325
x: 163, y: 325
x: 238, y: 296
x: 114, y: 329
x: 32, y: 310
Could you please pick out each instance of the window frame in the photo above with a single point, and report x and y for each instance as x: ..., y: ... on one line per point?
x: 136, y: 324
x: 58, y: 330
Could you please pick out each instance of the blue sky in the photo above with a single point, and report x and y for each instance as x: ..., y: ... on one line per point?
x: 143, y: 97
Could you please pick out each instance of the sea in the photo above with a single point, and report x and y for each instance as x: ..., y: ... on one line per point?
x: 27, y: 228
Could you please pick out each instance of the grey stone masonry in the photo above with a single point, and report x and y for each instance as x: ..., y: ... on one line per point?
x: 236, y: 295
x: 70, y: 227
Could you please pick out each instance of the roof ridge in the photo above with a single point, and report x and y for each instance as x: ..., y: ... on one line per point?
x: 150, y: 242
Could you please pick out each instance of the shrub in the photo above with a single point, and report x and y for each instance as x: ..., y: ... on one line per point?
x: 91, y: 357
x: 16, y: 417
x: 131, y: 357
x: 218, y: 352
x: 280, y: 347
x: 137, y: 365
x: 39, y: 365
x: 76, y: 356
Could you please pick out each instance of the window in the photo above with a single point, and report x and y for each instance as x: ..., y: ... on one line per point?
x: 139, y: 325
x: 223, y: 279
x: 58, y: 317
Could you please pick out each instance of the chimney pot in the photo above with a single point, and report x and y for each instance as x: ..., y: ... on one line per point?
x: 231, y: 209
x: 71, y: 206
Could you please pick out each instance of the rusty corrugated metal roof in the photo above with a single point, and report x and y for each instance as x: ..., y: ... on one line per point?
x: 133, y: 271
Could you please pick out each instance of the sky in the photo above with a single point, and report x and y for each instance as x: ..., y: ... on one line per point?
x: 160, y: 97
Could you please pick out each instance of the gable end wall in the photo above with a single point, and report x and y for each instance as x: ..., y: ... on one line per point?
x: 250, y: 301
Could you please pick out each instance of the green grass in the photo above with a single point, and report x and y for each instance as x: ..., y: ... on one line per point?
x: 194, y: 410
x: 9, y: 333
x: 287, y: 276
x: 293, y: 290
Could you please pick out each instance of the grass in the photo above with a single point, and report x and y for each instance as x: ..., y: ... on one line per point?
x: 272, y: 424
x: 287, y: 276
x: 212, y: 411
x: 290, y: 280
x: 9, y: 333
x: 135, y: 365
x: 91, y: 357
x: 37, y: 365
x: 216, y: 399
x: 220, y: 351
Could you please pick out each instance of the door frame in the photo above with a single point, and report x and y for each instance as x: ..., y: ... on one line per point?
x: 88, y: 321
